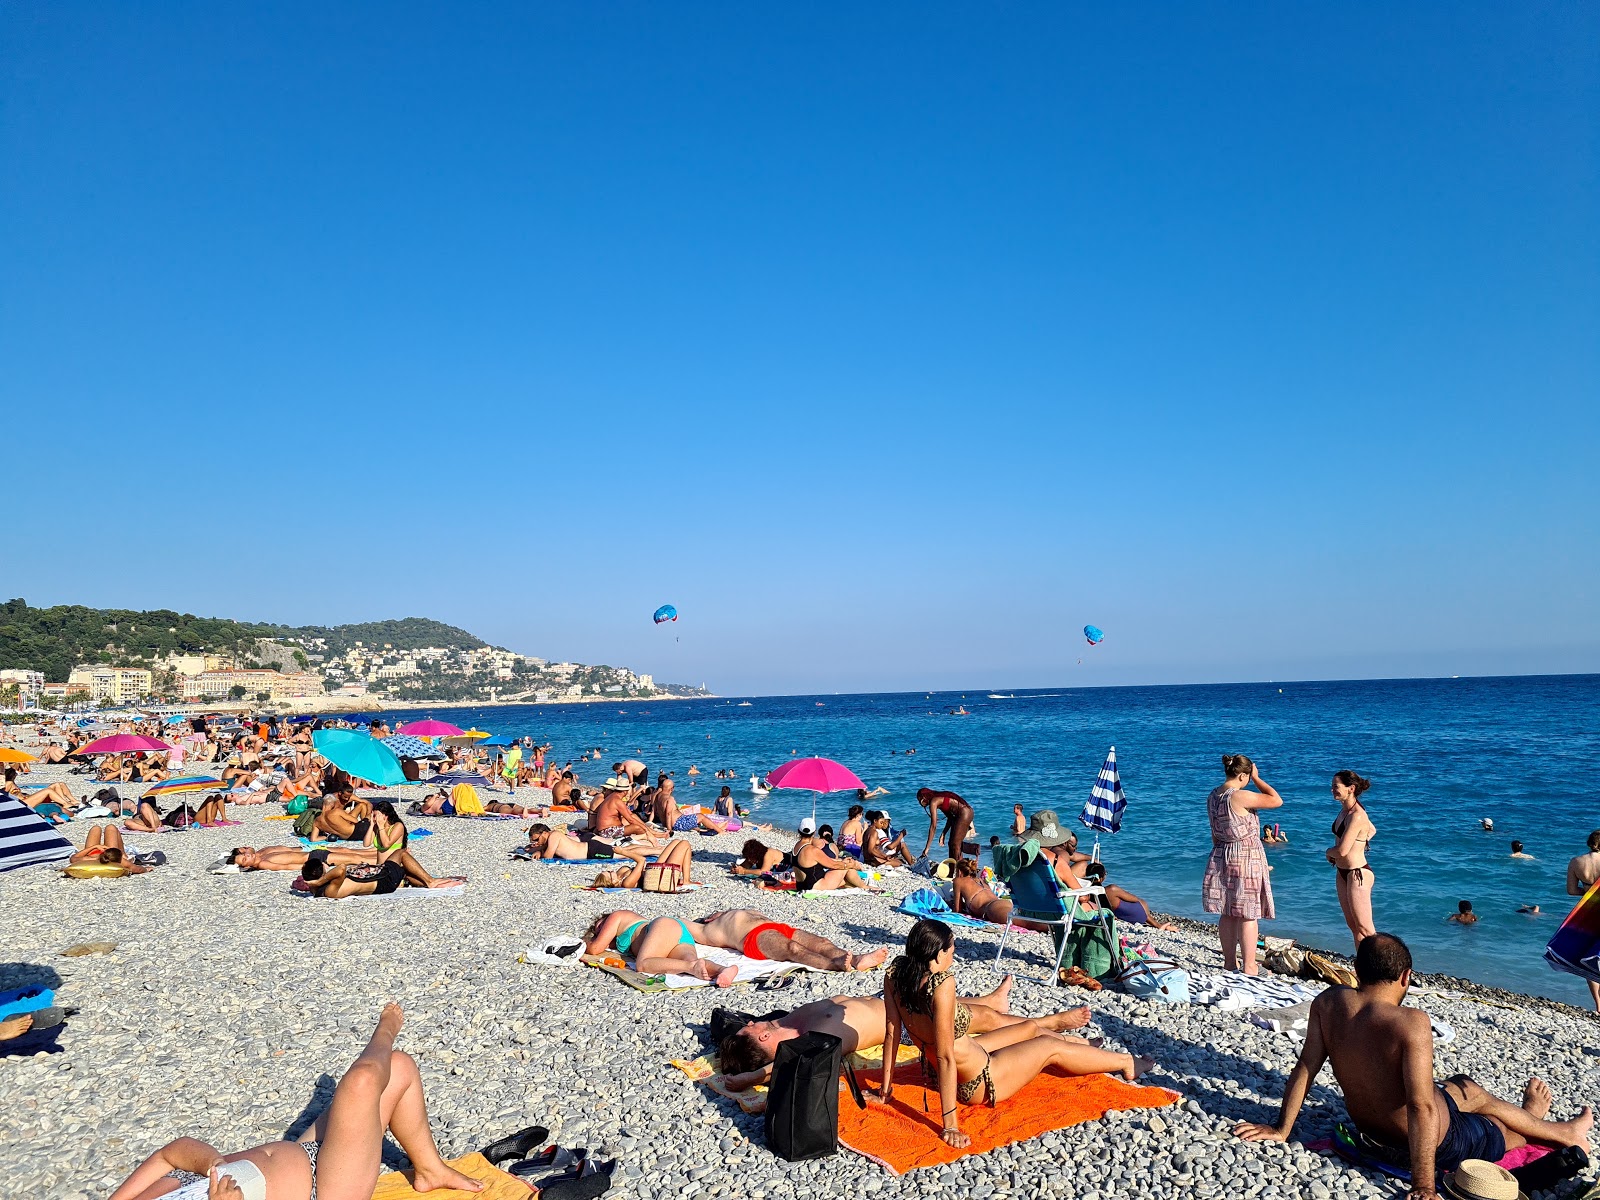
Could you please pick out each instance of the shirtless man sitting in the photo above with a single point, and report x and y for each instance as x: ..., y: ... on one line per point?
x: 858, y: 1021
x: 341, y: 814
x: 1382, y: 1056
x: 612, y: 819
x: 753, y: 935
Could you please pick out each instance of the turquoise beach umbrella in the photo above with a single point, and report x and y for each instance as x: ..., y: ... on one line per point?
x: 359, y: 755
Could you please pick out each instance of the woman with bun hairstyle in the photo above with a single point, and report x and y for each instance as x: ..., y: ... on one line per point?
x: 1352, y: 830
x: 1237, y: 887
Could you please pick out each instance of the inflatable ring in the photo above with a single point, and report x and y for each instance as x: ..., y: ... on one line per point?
x: 97, y: 870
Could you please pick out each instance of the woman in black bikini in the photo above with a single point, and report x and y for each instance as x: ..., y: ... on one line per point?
x: 817, y: 870
x: 339, y: 1157
x: 1353, y: 829
x: 973, y: 1068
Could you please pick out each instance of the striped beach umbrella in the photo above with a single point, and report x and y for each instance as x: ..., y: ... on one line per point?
x: 1103, y: 812
x: 189, y: 783
x: 406, y: 746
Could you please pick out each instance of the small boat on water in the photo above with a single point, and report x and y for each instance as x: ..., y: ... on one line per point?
x: 998, y: 696
x: 743, y: 704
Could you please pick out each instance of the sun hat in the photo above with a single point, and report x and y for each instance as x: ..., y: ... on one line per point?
x: 1477, y: 1179
x: 616, y: 783
x: 1045, y: 829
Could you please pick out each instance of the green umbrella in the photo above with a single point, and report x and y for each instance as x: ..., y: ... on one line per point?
x: 359, y: 755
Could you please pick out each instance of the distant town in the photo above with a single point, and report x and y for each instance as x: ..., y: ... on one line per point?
x: 120, y: 658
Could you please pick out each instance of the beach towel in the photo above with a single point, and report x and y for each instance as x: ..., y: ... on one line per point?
x: 750, y: 969
x: 901, y: 1137
x: 498, y: 1185
x: 925, y: 902
x: 299, y: 888
x: 1234, y: 991
x: 1355, y: 1147
x: 1292, y: 1019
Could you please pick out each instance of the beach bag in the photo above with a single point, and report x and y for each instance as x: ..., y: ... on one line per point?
x: 802, y: 1118
x: 662, y: 877
x: 1092, y: 946
x: 305, y: 823
x: 1285, y: 962
x: 296, y: 806
x: 1157, y: 979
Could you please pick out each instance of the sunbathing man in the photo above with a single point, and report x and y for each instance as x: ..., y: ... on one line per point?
x: 756, y: 936
x: 1382, y: 1056
x: 858, y: 1021
x: 292, y: 858
x: 554, y: 843
x: 393, y: 870
x: 339, y: 1157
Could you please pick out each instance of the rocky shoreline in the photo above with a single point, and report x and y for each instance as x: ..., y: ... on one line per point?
x: 230, y: 1005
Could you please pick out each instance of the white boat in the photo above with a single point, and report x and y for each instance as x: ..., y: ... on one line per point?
x: 743, y: 704
x: 998, y: 696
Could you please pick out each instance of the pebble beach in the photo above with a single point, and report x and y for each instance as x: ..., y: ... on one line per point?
x: 230, y: 1004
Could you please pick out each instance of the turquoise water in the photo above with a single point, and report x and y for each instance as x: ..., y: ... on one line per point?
x: 1441, y: 754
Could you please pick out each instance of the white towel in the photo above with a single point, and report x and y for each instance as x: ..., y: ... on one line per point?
x: 749, y: 968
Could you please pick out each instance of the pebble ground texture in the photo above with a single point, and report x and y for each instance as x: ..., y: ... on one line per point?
x: 230, y: 1006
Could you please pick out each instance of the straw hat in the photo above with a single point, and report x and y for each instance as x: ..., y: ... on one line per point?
x: 1476, y: 1179
x: 616, y: 783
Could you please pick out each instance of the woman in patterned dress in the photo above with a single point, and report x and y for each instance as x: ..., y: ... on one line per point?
x: 1236, y: 886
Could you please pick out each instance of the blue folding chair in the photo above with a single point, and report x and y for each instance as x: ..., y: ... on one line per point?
x: 1038, y: 896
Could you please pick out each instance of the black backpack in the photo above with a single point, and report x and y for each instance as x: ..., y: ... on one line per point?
x: 802, y: 1120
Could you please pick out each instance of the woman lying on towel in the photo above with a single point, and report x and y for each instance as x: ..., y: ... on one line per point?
x: 973, y: 1068
x: 676, y: 859
x: 393, y: 870
x: 663, y: 946
x: 338, y: 1158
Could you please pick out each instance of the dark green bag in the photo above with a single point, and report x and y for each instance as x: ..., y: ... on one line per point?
x: 1093, y: 946
x: 304, y: 824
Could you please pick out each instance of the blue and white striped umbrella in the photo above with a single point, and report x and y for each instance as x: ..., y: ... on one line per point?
x: 1106, y: 801
x: 405, y: 746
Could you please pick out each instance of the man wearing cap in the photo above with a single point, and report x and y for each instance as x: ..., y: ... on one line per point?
x: 611, y: 818
x: 1382, y: 1057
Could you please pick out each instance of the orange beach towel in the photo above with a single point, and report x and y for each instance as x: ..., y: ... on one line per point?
x: 498, y: 1185
x: 902, y: 1137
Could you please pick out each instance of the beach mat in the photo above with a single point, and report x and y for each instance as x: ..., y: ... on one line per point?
x: 901, y: 1137
x: 498, y: 1185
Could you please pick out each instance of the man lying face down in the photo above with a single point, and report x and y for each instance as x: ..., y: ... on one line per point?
x: 745, y: 1055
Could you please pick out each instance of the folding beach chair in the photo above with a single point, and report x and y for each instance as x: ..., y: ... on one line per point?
x: 1038, y: 896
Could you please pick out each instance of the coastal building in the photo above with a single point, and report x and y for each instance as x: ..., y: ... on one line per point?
x: 62, y: 693
x: 121, y: 684
x: 29, y: 684
x: 277, y: 685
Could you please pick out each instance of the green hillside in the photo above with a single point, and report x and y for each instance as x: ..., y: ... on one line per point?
x: 53, y: 640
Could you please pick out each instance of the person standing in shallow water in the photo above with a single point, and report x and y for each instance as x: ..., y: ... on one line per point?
x: 1237, y: 887
x: 1352, y: 830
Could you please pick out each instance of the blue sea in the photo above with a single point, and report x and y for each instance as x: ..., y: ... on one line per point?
x: 1441, y: 754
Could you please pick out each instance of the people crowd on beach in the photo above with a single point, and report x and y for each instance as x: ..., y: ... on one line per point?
x: 974, y: 1050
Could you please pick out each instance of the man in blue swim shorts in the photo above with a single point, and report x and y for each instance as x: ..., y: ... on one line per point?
x: 1382, y: 1056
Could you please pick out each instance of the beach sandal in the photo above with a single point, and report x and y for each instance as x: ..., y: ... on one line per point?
x: 1078, y: 977
x: 554, y: 1162
x: 517, y: 1145
x: 593, y: 1180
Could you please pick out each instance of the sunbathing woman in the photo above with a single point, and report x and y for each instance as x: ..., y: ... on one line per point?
x: 54, y: 802
x: 393, y: 870
x: 551, y: 843
x: 817, y: 870
x: 977, y: 899
x: 878, y: 849
x: 146, y: 817
x: 984, y: 1068
x: 1124, y: 904
x: 664, y: 946
x: 104, y: 845
x: 382, y: 829
x: 339, y: 1157
x: 757, y: 858
x: 675, y: 853
x: 957, y: 815
x: 854, y: 829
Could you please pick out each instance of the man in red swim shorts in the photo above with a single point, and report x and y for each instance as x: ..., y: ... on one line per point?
x: 755, y: 936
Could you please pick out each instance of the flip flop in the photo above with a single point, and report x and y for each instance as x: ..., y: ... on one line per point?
x: 593, y: 1181
x: 563, y: 1162
x: 517, y: 1145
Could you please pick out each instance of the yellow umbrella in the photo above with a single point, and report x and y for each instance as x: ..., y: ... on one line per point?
x: 11, y: 754
x: 465, y: 738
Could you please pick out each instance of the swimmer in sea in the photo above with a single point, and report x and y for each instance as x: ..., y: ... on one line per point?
x: 1463, y: 914
x: 1518, y: 852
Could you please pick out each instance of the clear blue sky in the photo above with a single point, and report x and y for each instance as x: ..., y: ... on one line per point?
x: 891, y: 343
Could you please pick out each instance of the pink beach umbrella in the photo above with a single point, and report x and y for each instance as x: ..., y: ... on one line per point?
x: 124, y: 743
x: 430, y: 729
x: 815, y: 775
